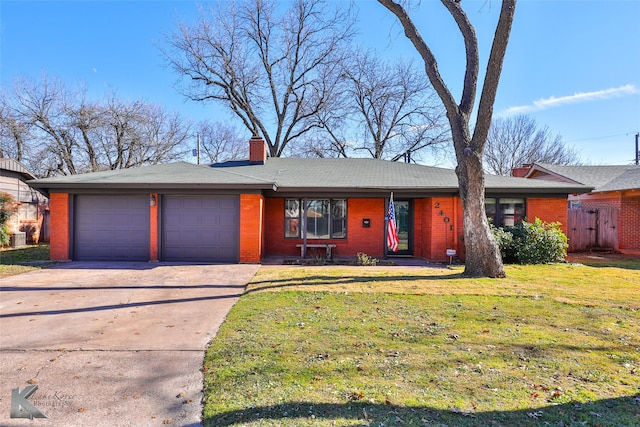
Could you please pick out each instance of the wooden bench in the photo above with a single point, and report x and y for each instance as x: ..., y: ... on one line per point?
x: 327, y: 246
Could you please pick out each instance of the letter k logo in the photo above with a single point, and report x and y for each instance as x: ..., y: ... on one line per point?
x: 21, y: 407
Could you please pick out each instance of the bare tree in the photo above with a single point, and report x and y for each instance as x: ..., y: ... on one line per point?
x: 53, y: 130
x: 274, y: 68
x: 220, y: 142
x: 515, y: 141
x: 13, y: 132
x: 44, y: 106
x: 137, y: 133
x: 386, y: 109
x: 482, y: 253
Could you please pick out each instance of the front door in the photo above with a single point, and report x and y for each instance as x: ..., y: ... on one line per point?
x: 404, y: 221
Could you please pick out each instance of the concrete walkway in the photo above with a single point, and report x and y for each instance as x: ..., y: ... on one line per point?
x: 117, y: 344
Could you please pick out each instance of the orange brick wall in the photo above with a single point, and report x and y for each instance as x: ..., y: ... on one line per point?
x: 262, y: 226
x: 153, y: 229
x: 59, y: 226
x: 433, y: 236
x: 420, y: 227
x: 629, y: 223
x: 429, y: 228
x: 251, y: 229
x: 359, y: 239
x: 548, y: 210
x: 372, y: 240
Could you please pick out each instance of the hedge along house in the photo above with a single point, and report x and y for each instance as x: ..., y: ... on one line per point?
x: 242, y: 211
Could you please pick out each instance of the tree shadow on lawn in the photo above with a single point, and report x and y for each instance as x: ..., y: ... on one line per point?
x: 255, y: 286
x: 619, y: 412
x: 624, y: 261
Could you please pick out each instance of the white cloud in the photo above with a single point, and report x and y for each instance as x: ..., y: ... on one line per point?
x: 552, y: 102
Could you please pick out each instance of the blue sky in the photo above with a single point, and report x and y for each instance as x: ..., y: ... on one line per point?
x: 573, y: 65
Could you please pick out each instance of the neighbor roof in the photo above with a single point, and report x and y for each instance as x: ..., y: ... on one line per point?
x: 300, y: 174
x: 15, y: 166
x: 601, y: 178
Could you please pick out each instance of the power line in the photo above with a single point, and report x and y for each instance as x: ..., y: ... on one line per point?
x: 602, y: 137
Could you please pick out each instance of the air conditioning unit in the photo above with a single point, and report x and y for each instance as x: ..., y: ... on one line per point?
x: 18, y: 239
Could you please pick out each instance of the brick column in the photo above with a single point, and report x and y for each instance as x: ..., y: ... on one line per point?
x: 59, y: 226
x: 251, y: 227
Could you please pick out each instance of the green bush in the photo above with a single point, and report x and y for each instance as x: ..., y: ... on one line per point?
x: 7, y: 209
x: 535, y: 242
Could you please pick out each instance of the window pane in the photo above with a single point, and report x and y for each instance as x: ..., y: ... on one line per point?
x: 339, y: 208
x: 339, y: 228
x: 318, y: 219
x: 28, y: 211
x: 292, y: 227
x: 490, y: 206
x: 292, y: 208
x: 512, y: 211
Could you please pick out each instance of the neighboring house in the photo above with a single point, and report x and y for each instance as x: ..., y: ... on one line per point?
x: 31, y: 204
x: 608, y: 217
x: 242, y: 211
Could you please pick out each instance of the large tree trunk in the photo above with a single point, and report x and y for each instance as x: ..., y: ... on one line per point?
x: 482, y: 256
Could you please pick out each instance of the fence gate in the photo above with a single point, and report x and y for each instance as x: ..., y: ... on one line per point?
x: 589, y: 229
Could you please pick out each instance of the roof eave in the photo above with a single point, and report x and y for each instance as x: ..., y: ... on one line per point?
x: 538, y: 190
x: 153, y: 187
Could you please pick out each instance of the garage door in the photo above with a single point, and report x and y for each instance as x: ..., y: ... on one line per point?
x: 200, y: 228
x: 111, y: 228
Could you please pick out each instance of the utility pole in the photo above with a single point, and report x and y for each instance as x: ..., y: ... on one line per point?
x: 637, y: 151
x: 198, y: 149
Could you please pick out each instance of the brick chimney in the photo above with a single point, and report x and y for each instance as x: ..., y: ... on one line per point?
x: 521, y: 171
x: 257, y: 150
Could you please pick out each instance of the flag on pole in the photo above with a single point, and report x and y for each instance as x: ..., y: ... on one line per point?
x: 392, y: 231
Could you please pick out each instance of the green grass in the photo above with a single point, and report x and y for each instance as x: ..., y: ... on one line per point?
x: 551, y: 345
x: 18, y: 261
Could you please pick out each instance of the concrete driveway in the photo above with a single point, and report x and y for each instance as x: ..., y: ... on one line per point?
x: 118, y: 344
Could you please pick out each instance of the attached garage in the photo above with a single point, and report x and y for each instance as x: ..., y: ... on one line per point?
x: 111, y: 227
x: 203, y: 228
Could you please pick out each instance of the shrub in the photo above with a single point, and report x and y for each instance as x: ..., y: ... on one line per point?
x: 532, y: 242
x: 364, y: 259
x: 7, y: 208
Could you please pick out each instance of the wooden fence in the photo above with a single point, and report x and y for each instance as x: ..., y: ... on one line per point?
x: 593, y: 229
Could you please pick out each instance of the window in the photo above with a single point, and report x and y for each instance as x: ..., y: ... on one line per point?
x: 326, y: 218
x: 505, y: 212
x: 28, y: 211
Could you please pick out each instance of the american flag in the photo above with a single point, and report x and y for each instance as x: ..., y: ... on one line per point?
x: 392, y: 231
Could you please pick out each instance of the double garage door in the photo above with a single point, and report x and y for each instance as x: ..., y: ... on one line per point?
x: 191, y: 228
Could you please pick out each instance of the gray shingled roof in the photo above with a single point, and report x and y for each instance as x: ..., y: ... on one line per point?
x: 171, y: 175
x: 601, y: 178
x: 295, y: 174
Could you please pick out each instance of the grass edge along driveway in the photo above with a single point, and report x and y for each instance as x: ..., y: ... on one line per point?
x: 549, y: 345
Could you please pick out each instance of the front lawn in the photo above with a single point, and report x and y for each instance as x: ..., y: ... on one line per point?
x: 21, y: 260
x: 551, y: 345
